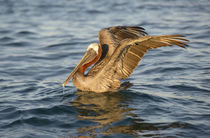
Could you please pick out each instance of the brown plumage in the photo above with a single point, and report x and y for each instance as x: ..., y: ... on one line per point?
x: 118, y: 53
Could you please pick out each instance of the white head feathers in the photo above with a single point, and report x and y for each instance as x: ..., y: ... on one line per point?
x: 94, y: 46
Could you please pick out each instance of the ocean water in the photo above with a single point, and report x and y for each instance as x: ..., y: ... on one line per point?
x: 41, y: 41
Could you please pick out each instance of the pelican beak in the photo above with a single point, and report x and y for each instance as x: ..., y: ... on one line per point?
x: 89, y: 56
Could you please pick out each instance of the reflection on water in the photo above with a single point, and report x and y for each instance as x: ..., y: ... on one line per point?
x: 105, y: 109
x: 112, y: 115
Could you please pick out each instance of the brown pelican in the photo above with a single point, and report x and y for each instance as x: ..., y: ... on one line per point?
x: 119, y: 51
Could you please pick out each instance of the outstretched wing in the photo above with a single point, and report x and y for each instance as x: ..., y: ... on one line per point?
x: 127, y: 56
x: 110, y: 38
x: 120, y: 33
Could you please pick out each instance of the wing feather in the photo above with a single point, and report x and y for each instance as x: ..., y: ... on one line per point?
x: 110, y: 38
x: 129, y: 53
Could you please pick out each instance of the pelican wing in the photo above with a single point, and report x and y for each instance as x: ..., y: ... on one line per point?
x: 119, y: 33
x: 110, y: 38
x: 127, y: 56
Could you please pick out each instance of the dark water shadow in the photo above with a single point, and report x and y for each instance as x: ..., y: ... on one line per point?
x: 110, y: 115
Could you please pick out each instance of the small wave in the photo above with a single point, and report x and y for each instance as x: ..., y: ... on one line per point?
x: 38, y: 116
x: 188, y: 88
x: 69, y: 44
x: 55, y: 110
x: 6, y: 39
x: 5, y: 31
x: 144, y: 96
x: 9, y: 113
x: 95, y: 11
x: 171, y: 69
x: 25, y: 33
x: 163, y: 70
x: 35, y: 121
x: 59, y: 45
x: 19, y: 44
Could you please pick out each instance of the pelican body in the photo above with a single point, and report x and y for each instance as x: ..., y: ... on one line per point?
x: 115, y: 57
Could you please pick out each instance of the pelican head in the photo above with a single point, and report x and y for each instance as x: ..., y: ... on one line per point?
x: 90, y: 57
x: 93, y: 46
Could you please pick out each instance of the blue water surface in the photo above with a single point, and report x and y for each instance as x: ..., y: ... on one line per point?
x: 41, y: 41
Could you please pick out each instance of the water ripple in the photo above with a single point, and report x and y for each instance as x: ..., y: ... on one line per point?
x: 42, y: 41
